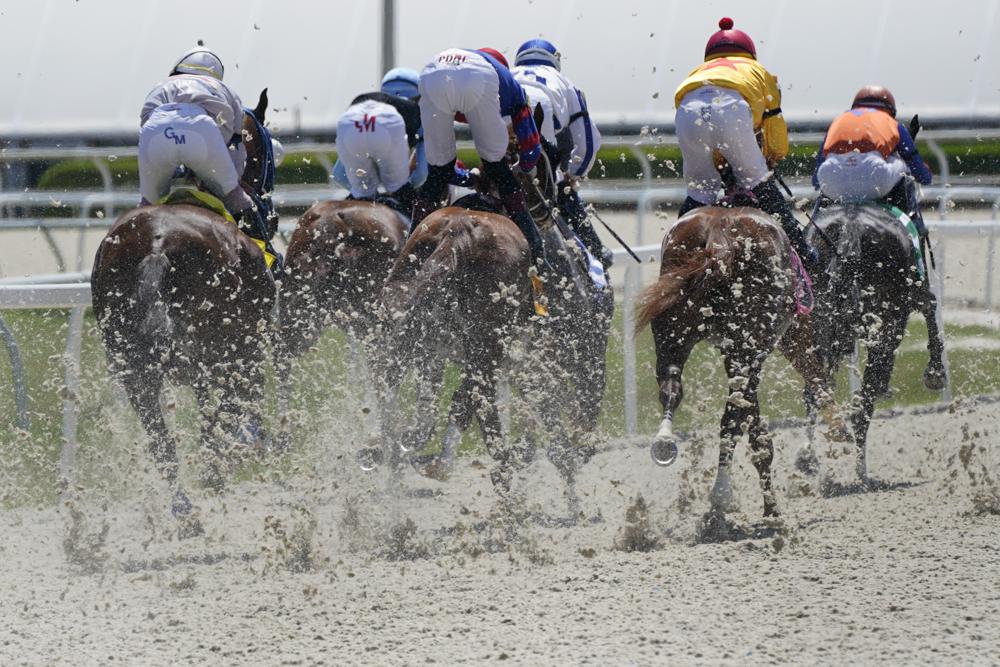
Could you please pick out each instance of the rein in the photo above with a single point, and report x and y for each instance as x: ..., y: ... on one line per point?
x: 264, y: 184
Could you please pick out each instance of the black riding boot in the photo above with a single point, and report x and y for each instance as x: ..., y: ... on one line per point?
x: 771, y: 201
x: 689, y: 204
x: 250, y: 222
x: 904, y: 197
x: 572, y: 209
x: 432, y: 193
x: 513, y: 200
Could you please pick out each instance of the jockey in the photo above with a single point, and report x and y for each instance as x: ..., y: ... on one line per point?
x: 723, y: 106
x: 477, y: 87
x: 867, y: 155
x: 374, y: 138
x: 569, y: 135
x: 401, y: 82
x: 193, y: 119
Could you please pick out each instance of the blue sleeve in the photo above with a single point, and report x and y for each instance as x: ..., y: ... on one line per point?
x: 511, y: 93
x: 908, y: 151
x: 419, y: 174
x: 340, y: 175
x: 819, y: 161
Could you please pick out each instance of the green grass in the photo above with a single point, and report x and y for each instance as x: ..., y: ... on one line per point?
x: 328, y: 408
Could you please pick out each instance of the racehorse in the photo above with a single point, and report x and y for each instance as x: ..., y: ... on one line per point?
x: 459, y: 292
x: 868, y: 286
x: 181, y: 293
x: 338, y: 258
x: 726, y: 276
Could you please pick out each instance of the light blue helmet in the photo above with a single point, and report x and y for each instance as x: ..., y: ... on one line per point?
x: 401, y: 81
x: 538, y: 52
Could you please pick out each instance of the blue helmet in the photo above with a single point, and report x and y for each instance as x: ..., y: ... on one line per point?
x: 538, y: 52
x: 401, y: 81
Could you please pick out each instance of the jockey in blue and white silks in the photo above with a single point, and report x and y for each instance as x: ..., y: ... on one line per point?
x: 475, y: 86
x: 401, y: 82
x: 374, y: 138
x: 571, y: 137
x: 193, y: 119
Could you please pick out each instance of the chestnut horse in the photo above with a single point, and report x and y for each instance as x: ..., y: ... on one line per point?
x: 869, y: 285
x: 459, y: 292
x: 182, y: 294
x: 726, y: 277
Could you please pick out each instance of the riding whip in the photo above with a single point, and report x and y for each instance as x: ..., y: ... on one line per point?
x: 613, y: 233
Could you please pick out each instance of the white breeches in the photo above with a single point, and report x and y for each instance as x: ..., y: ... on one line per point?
x: 857, y: 177
x: 459, y: 81
x: 371, y: 144
x: 183, y: 134
x: 717, y: 120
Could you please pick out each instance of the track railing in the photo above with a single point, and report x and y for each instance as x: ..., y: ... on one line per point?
x: 72, y: 292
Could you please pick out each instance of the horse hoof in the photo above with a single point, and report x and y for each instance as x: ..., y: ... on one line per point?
x: 181, y: 505
x: 806, y: 462
x: 370, y: 458
x: 434, y: 466
x: 188, y: 527
x: 663, y: 451
x: 934, y: 379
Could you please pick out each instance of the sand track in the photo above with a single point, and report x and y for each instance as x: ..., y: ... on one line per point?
x: 328, y: 567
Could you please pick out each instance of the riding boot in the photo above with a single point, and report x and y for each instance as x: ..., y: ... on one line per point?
x: 572, y: 209
x: 688, y: 205
x: 406, y: 196
x: 250, y: 222
x: 518, y: 212
x: 771, y: 201
x: 432, y: 193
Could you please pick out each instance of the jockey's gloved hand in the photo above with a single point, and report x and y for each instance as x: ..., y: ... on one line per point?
x: 533, y: 172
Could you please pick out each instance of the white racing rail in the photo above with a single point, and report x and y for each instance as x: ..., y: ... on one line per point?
x: 72, y: 292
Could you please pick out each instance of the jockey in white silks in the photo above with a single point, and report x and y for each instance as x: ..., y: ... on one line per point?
x: 571, y: 138
x: 193, y: 119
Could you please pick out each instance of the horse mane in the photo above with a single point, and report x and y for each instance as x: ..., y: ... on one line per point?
x: 685, y: 274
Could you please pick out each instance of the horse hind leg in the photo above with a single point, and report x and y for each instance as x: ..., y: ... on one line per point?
x: 671, y: 355
x: 143, y: 390
x: 878, y: 373
x: 935, y: 375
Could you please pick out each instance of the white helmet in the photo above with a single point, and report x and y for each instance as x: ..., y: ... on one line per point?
x: 199, y: 60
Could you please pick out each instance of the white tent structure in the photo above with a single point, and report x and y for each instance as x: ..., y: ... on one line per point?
x: 84, y: 67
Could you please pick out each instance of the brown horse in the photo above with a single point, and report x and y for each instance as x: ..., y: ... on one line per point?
x: 459, y: 292
x: 338, y: 258
x: 182, y: 294
x: 726, y: 277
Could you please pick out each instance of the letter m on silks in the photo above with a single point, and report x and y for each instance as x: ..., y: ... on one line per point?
x: 178, y: 138
x: 368, y: 125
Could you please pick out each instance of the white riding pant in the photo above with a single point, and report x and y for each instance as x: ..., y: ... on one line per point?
x: 459, y: 81
x: 371, y: 144
x: 183, y: 134
x: 856, y: 177
x: 717, y: 120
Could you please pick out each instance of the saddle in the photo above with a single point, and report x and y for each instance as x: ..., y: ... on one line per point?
x: 185, y: 192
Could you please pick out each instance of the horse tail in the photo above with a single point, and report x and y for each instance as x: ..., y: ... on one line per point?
x: 687, y: 275
x: 149, y: 297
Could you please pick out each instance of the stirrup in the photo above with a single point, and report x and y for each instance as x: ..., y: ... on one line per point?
x: 538, y: 287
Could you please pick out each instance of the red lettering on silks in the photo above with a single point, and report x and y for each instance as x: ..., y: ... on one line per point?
x: 367, y: 125
x: 452, y: 58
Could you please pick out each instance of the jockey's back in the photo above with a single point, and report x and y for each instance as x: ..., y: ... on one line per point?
x: 212, y: 95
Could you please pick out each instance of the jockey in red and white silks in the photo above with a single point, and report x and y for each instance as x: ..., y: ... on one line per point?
x: 477, y: 88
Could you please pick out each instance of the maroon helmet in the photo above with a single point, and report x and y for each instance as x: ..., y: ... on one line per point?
x: 728, y: 39
x: 876, y: 97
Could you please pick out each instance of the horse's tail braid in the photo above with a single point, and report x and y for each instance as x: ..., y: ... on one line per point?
x: 689, y: 274
x: 156, y: 322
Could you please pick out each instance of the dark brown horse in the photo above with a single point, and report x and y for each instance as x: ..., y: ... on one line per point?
x: 726, y: 277
x: 458, y: 292
x: 869, y: 284
x: 182, y: 294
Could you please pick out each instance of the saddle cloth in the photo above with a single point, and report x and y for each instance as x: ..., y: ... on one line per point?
x: 192, y: 196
